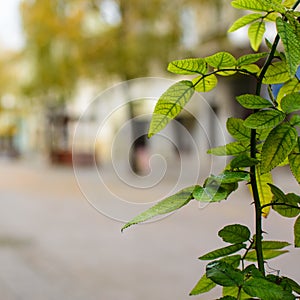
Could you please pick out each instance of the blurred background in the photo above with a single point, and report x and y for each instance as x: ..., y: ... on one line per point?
x: 55, y: 58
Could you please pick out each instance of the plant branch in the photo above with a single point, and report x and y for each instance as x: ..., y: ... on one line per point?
x: 282, y: 204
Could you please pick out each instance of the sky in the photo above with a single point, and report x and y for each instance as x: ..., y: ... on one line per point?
x: 10, y: 25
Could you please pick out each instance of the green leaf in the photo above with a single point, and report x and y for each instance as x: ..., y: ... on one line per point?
x: 263, y: 182
x: 237, y: 129
x: 165, y: 206
x: 221, y: 60
x: 294, y: 160
x: 289, y: 200
x: 188, y: 66
x: 233, y: 291
x: 234, y: 234
x: 232, y: 260
x: 233, y: 148
x: 170, y: 105
x: 255, y: 5
x: 231, y: 177
x: 277, y: 147
x: 253, y: 102
x: 252, y: 271
x: 226, y: 72
x: 290, y: 103
x: 295, y: 120
x: 264, y: 119
x: 277, y: 73
x: 288, y: 3
x: 246, y: 69
x: 293, y: 284
x: 276, y: 5
x: 291, y: 45
x: 267, y: 254
x: 250, y: 58
x: 243, y: 161
x: 274, y: 245
x: 289, y: 87
x: 297, y: 232
x: 204, y: 285
x: 255, y: 33
x: 211, y: 193
x: 264, y: 289
x: 223, y: 274
x: 205, y: 83
x: 244, y: 20
x: 222, y: 251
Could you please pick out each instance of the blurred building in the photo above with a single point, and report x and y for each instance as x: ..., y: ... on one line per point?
x: 47, y: 127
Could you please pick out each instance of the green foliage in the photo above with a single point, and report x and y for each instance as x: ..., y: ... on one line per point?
x: 294, y: 160
x: 188, y: 66
x: 256, y: 32
x: 222, y: 252
x: 264, y: 289
x: 264, y: 119
x: 278, y: 145
x: 170, y: 105
x: 290, y: 103
x: 204, y: 285
x: 253, y: 101
x: 291, y: 44
x: 224, y: 274
x: 237, y: 129
x: 234, y: 234
x: 165, y: 206
x: 277, y: 73
x: 267, y: 138
x: 233, y: 148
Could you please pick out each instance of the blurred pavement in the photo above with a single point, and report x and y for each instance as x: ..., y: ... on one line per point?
x: 55, y: 245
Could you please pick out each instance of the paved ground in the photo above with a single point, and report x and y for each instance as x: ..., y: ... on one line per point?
x: 55, y: 245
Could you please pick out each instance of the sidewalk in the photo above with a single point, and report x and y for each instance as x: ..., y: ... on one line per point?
x: 55, y: 245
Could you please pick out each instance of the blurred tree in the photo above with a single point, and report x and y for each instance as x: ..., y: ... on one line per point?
x: 101, y: 39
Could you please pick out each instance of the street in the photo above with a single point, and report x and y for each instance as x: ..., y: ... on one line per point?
x: 55, y: 245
